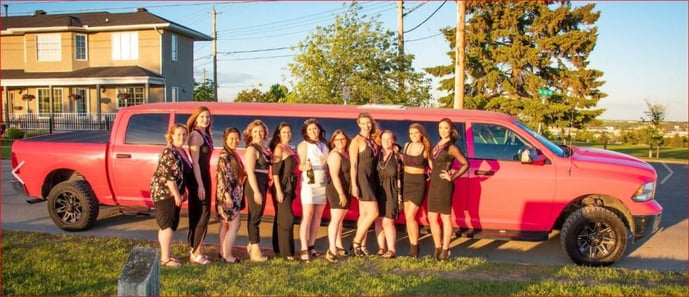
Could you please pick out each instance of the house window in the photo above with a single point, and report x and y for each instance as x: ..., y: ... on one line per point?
x: 174, y: 48
x: 44, y: 101
x: 125, y: 46
x: 80, y: 48
x: 129, y: 96
x: 175, y: 94
x: 48, y: 47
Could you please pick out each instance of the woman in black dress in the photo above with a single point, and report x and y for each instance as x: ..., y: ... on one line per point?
x: 389, y: 166
x: 338, y: 192
x: 442, y: 186
x: 363, y: 154
x: 201, y: 149
x: 284, y: 185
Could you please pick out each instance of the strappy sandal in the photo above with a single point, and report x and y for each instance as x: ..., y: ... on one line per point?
x: 388, y: 255
x: 357, y: 249
x: 200, y: 259
x: 170, y: 262
x: 380, y: 252
x: 314, y: 252
x: 341, y: 252
x: 234, y: 260
x: 304, y: 256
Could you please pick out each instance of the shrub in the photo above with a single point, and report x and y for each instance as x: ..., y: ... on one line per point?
x: 13, y: 133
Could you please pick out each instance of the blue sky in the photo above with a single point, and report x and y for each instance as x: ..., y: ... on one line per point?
x: 641, y: 48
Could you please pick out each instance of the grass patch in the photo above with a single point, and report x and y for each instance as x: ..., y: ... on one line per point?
x: 641, y: 151
x: 5, y: 149
x: 45, y: 264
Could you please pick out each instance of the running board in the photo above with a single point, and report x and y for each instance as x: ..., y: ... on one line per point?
x: 35, y: 200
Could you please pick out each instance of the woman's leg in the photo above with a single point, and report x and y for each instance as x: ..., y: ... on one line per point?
x: 435, y: 229
x: 230, y: 237
x: 410, y: 210
x: 390, y: 234
x: 315, y: 223
x: 380, y: 234
x: 335, y: 229
x: 368, y: 212
x: 165, y: 240
x: 305, y: 226
x: 222, y: 232
x: 447, y: 230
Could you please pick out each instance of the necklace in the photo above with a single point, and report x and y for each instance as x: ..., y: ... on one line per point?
x: 439, y: 148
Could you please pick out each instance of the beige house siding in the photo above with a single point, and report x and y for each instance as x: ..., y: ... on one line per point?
x: 12, y: 56
x: 180, y: 72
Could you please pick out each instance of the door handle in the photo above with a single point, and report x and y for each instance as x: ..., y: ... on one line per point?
x: 484, y: 172
x: 123, y: 156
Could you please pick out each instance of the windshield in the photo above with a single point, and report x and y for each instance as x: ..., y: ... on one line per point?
x: 551, y: 146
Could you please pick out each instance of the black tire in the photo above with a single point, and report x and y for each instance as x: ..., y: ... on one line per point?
x: 73, y: 205
x: 594, y: 236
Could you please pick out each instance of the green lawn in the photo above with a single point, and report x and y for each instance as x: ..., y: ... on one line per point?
x: 43, y: 264
x: 5, y: 149
x: 641, y: 151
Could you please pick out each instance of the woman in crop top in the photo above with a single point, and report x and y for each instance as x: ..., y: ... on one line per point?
x: 415, y: 159
x: 442, y: 186
x: 257, y: 159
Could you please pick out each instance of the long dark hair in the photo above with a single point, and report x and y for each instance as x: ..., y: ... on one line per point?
x: 321, y: 133
x: 232, y: 157
x: 276, y: 135
x: 454, y: 133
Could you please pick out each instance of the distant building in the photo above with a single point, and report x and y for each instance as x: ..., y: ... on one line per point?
x: 86, y: 64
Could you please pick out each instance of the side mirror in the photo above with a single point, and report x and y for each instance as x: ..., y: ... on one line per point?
x: 532, y: 156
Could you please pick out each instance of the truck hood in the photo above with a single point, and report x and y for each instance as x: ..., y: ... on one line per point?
x: 604, y: 160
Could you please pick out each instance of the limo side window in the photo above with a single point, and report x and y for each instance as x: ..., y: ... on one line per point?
x: 496, y: 142
x: 147, y: 129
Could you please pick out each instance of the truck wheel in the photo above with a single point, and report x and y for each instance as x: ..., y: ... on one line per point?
x: 594, y: 236
x: 72, y: 205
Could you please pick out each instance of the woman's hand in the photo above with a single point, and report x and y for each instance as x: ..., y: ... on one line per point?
x: 178, y: 200
x: 355, y: 191
x: 279, y: 196
x: 202, y: 193
x: 343, y: 200
x: 258, y: 198
x: 446, y: 175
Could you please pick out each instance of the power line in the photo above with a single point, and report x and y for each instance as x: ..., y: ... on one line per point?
x: 424, y: 21
x: 424, y: 38
x: 255, y: 51
x: 257, y: 58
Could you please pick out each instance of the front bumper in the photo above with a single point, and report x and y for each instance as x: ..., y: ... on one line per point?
x: 646, y: 225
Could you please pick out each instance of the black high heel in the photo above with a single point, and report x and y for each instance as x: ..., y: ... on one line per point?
x: 414, y: 250
x: 444, y: 255
x: 436, y: 254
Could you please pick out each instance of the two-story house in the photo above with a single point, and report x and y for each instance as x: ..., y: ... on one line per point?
x: 90, y: 64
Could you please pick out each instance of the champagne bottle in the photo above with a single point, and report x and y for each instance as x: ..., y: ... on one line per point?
x: 309, y: 174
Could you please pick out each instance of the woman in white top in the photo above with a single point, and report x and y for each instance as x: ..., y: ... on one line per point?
x: 313, y: 153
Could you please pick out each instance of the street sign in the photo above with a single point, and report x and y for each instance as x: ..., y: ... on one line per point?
x: 546, y: 92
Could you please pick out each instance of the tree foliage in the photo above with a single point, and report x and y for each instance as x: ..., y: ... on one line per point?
x: 355, y: 52
x: 276, y: 93
x: 204, y: 91
x: 515, y: 48
x: 654, y: 116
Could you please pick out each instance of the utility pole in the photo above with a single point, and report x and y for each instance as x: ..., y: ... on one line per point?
x: 215, y: 56
x: 400, y: 45
x: 459, y: 55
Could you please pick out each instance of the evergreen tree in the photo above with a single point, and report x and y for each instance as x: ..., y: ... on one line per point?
x: 515, y: 48
x: 204, y: 91
x: 355, y: 52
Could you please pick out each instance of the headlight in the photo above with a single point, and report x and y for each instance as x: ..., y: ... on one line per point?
x: 645, y: 193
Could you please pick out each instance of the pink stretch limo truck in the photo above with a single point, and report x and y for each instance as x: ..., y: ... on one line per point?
x: 519, y: 186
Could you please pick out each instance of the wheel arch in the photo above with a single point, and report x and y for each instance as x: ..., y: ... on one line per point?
x: 611, y: 203
x: 57, y: 176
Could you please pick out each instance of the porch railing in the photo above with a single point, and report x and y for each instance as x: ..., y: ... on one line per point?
x: 60, y: 121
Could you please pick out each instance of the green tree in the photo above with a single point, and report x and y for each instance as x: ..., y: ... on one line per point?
x: 515, y: 48
x: 276, y: 93
x: 654, y: 116
x: 355, y: 52
x: 204, y: 91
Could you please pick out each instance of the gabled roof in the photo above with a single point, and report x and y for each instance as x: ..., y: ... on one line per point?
x: 94, y: 22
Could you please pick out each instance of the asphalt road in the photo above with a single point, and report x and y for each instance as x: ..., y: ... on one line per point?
x: 665, y: 251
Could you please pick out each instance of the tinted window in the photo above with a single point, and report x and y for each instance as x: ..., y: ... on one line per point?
x: 400, y: 128
x: 496, y: 142
x: 147, y: 129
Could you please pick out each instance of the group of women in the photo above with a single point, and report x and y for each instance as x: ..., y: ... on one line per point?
x: 369, y: 167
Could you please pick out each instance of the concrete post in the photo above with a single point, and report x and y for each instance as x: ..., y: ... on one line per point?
x: 140, y: 275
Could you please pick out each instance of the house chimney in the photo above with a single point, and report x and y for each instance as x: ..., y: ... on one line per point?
x: 141, y: 9
x: 6, y: 8
x: 39, y: 12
